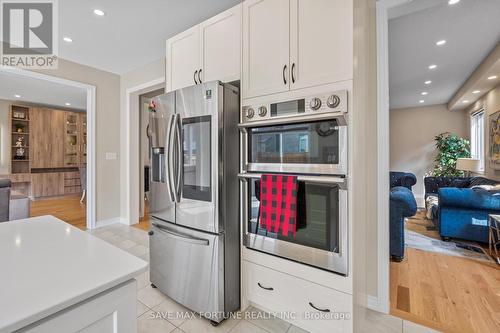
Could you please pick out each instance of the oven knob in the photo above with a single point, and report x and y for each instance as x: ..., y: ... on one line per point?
x: 249, y: 113
x: 333, y: 101
x: 262, y: 111
x: 315, y: 103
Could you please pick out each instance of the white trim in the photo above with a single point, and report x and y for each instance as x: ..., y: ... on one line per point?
x: 131, y: 186
x: 106, y: 222
x: 91, y: 132
x: 381, y: 302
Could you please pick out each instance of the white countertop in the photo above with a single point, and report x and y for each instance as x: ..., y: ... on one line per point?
x: 47, y: 265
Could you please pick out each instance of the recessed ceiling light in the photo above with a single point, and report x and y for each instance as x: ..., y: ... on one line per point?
x: 440, y: 42
x: 421, y: 101
x: 492, y: 77
x: 98, y: 12
x: 476, y: 91
x: 67, y: 39
x: 453, y: 2
x: 428, y: 82
x: 465, y: 101
x: 67, y: 104
x: 17, y: 96
x: 432, y: 66
x: 424, y: 93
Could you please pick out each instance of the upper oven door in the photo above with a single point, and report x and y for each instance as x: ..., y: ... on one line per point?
x: 306, y: 147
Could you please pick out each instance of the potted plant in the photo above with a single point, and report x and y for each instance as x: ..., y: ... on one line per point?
x: 450, y: 147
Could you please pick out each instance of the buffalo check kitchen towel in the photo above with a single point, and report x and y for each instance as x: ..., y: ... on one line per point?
x: 278, y: 200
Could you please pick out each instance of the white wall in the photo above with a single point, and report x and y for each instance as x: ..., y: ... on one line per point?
x: 490, y: 102
x: 412, y: 132
x: 147, y: 73
x: 108, y: 184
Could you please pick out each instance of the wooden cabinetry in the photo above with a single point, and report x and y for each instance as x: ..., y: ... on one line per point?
x: 47, y: 184
x: 46, y: 137
x: 294, y: 44
x: 208, y: 51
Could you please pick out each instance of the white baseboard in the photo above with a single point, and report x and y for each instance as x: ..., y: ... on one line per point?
x: 373, y: 303
x: 106, y: 222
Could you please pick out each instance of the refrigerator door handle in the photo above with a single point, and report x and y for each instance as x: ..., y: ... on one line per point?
x: 180, y: 162
x: 170, y: 158
x: 181, y: 237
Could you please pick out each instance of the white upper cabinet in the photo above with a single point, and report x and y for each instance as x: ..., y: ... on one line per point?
x: 321, y: 42
x: 208, y: 51
x: 294, y: 44
x: 183, y: 59
x: 265, y: 55
x: 221, y: 46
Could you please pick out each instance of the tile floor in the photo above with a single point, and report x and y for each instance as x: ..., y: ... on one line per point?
x: 158, y: 313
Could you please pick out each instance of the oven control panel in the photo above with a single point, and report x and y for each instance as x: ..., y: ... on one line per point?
x: 334, y: 102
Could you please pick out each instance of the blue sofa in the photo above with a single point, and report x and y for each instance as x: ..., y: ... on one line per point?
x: 463, y: 210
x: 405, y: 179
x: 402, y: 205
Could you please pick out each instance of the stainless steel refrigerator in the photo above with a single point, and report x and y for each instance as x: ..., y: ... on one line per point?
x: 194, y: 237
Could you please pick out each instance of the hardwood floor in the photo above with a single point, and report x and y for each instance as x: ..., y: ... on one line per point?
x: 67, y: 208
x: 70, y: 210
x: 451, y: 294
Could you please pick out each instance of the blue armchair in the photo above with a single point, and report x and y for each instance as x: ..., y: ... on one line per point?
x: 404, y: 179
x: 402, y: 204
x: 463, y: 212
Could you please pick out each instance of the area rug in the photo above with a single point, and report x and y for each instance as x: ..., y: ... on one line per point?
x: 421, y: 242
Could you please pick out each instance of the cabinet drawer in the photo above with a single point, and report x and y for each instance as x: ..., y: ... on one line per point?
x: 277, y: 291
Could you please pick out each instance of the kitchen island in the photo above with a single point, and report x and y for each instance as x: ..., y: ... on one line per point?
x: 57, y: 278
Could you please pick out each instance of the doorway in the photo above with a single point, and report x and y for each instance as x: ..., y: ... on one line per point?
x: 48, y: 130
x: 144, y: 155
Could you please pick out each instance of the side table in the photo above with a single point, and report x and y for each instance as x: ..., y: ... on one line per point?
x: 494, y: 236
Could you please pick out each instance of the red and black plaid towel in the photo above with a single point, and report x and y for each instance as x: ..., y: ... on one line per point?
x: 278, y: 203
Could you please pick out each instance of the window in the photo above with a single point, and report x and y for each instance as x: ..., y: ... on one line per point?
x: 477, y: 137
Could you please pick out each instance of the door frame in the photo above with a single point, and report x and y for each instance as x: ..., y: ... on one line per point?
x: 132, y: 144
x: 381, y: 302
x: 90, y: 90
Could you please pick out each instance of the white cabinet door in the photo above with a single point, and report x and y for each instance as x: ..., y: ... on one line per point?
x: 183, y: 59
x: 321, y: 47
x: 265, y: 47
x: 108, y: 312
x: 221, y: 44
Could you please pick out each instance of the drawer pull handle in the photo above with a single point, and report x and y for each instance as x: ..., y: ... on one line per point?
x: 266, y: 288
x: 314, y: 307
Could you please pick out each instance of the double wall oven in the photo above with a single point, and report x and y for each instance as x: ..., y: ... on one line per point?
x: 306, y: 137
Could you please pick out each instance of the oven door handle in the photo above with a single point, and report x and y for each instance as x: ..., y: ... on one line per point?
x: 342, y: 182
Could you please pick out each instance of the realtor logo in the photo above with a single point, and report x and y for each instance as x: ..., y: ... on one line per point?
x: 29, y: 33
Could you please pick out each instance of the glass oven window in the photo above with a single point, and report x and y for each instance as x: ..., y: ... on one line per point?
x: 196, y: 144
x: 304, y: 143
x: 318, y: 216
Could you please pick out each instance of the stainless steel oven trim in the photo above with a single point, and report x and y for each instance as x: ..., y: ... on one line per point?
x: 341, y: 117
x: 330, y: 169
x: 334, y: 262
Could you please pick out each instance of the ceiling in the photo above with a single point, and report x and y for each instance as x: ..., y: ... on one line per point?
x: 131, y: 33
x: 41, y: 92
x: 471, y: 29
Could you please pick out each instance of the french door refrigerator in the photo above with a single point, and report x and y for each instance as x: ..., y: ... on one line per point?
x: 194, y: 236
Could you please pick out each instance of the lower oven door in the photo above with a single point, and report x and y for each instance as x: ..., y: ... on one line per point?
x: 186, y: 265
x: 321, y: 235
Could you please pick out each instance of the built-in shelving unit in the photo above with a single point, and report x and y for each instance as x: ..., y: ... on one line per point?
x: 20, y: 128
